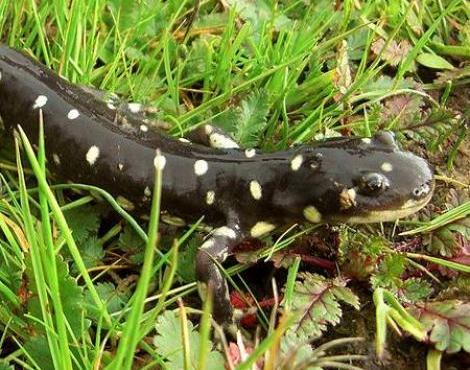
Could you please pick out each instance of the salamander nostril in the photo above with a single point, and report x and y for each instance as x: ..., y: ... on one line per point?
x: 421, y: 190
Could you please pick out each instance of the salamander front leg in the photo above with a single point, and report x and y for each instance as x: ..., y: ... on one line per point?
x: 214, y: 251
x: 213, y: 137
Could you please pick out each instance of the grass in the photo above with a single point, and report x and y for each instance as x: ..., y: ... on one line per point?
x: 82, y: 290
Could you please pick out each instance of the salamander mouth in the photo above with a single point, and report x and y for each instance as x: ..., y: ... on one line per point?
x: 407, y: 208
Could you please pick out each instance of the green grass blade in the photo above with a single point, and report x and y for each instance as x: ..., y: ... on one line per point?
x: 36, y: 264
x: 62, y: 224
x: 130, y: 335
x: 49, y: 260
x: 453, y: 215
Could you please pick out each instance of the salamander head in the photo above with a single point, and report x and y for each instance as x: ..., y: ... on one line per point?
x: 360, y: 181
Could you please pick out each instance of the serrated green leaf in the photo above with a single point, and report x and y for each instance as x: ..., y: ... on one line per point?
x: 72, y: 299
x: 132, y: 243
x: 197, y: 58
x: 461, y: 226
x: 433, y: 61
x: 385, y: 83
x: 251, y: 120
x: 390, y: 272
x: 356, y: 43
x: 446, y: 322
x: 115, y: 299
x: 359, y: 253
x: 403, y: 110
x: 443, y: 242
x: 135, y: 17
x: 129, y: 239
x: 71, y: 296
x: 92, y: 252
x: 228, y: 120
x: 11, y: 276
x: 316, y: 304
x: 415, y: 289
x: 346, y: 295
x: 38, y: 349
x: 83, y: 221
x: 186, y: 258
x: 259, y: 12
x: 303, y: 352
x: 169, y: 344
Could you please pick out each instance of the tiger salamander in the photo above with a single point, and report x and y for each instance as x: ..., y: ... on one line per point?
x: 243, y: 193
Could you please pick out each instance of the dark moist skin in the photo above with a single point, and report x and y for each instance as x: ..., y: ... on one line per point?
x: 242, y: 193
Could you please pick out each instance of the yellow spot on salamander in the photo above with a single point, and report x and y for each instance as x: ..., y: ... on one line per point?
x: 92, y: 154
x: 73, y: 114
x: 261, y: 228
x: 210, y: 197
x: 296, y: 162
x: 250, y: 153
x: 386, y: 167
x: 40, y: 101
x: 312, y: 215
x: 200, y: 167
x: 255, y: 190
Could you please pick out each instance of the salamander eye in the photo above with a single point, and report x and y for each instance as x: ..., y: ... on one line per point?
x: 386, y: 137
x: 372, y: 184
